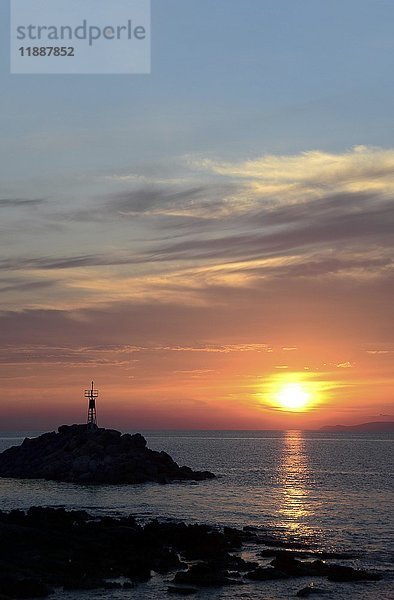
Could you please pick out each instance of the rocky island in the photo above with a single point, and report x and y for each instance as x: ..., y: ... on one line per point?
x: 93, y: 455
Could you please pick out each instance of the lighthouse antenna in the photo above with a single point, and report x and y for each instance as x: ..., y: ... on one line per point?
x: 92, y: 394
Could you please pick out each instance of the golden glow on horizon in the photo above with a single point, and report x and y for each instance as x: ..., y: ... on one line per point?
x: 293, y: 392
x: 293, y: 396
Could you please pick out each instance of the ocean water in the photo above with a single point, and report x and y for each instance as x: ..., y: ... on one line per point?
x: 333, y: 491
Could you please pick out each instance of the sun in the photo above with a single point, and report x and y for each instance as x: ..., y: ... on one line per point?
x: 293, y: 396
x: 296, y: 392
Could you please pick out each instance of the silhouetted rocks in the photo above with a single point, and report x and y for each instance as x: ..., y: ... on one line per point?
x: 308, y: 591
x: 266, y: 574
x: 286, y: 565
x: 78, y: 454
x: 14, y: 587
x: 340, y: 573
x: 45, y: 548
x: 205, y: 574
x: 50, y: 547
x: 182, y: 591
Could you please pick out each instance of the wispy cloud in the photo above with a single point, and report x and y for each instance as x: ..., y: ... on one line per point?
x: 225, y: 227
x: 169, y: 200
x: 21, y: 202
x: 292, y: 177
x: 319, y: 223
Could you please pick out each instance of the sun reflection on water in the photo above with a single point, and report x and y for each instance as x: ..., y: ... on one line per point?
x: 293, y: 481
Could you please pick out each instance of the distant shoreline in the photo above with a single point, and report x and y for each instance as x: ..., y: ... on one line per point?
x: 375, y: 426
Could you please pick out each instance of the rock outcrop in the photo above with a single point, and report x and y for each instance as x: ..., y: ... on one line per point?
x: 45, y: 548
x: 92, y: 456
x: 285, y: 565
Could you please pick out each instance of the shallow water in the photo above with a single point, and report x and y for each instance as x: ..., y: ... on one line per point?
x: 333, y: 490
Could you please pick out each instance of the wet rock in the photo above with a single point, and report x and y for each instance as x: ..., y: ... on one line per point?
x: 268, y: 553
x: 81, y: 455
x: 234, y: 537
x: 322, y: 555
x: 196, y: 542
x: 308, y: 591
x: 266, y: 574
x: 80, y: 552
x: 287, y: 563
x: 333, y: 555
x: 340, y: 574
x: 204, y: 575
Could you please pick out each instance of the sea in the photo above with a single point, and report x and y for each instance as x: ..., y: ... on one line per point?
x: 329, y: 490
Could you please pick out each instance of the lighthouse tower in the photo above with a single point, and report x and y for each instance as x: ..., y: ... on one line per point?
x: 92, y: 416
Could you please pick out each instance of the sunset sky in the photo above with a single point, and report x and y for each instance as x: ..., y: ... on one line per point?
x: 197, y: 239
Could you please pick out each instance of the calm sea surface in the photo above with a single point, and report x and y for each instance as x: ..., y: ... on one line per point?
x: 332, y: 490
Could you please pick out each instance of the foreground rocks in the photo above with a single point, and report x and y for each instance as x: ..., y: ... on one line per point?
x: 45, y: 548
x: 81, y: 455
x: 285, y: 565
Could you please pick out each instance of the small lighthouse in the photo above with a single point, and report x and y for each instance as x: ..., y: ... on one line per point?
x: 92, y: 416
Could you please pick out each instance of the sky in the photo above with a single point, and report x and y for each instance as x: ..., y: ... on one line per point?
x: 199, y: 238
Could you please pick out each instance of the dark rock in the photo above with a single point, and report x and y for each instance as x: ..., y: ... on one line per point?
x: 140, y: 569
x: 168, y: 560
x: 51, y: 547
x: 234, y: 536
x: 196, y: 542
x: 274, y: 552
x: 333, y: 555
x: 83, y: 583
x: 13, y: 587
x: 112, y: 585
x: 308, y: 591
x: 341, y: 574
x: 268, y: 553
x: 135, y: 441
x: 182, y: 591
x: 266, y: 574
x: 287, y: 563
x: 204, y: 575
x: 128, y: 585
x: 82, y: 455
